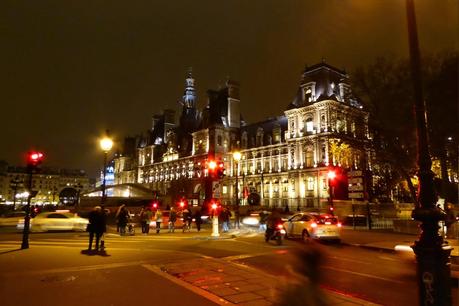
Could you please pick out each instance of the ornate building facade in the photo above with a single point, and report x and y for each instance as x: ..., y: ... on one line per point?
x: 285, y: 159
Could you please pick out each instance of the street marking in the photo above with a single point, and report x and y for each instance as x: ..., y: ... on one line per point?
x: 362, y: 274
x: 79, y: 268
x: 243, y: 256
x: 211, y: 297
x: 351, y: 260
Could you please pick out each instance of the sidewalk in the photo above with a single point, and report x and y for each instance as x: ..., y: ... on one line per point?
x: 236, y: 284
x: 388, y: 241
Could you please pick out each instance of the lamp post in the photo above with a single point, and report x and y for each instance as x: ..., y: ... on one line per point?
x: 432, y: 254
x: 78, y: 187
x: 106, y: 145
x: 237, y: 158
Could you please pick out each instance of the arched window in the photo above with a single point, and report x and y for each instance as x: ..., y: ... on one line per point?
x: 270, y: 140
x: 259, y: 142
x: 244, y: 140
x: 277, y: 133
x: 309, y: 125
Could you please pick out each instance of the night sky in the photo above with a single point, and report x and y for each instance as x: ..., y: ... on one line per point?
x: 71, y: 69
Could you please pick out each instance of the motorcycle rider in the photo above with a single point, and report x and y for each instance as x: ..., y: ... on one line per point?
x: 271, y: 222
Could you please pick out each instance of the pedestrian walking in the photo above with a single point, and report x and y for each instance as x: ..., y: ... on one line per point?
x: 96, y: 226
x: 122, y: 217
x: 187, y: 218
x: 172, y: 219
x: 303, y: 287
x: 198, y: 219
x: 145, y: 219
x: 159, y: 219
x: 225, y: 219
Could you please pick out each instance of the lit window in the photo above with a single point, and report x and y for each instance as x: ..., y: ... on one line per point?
x: 225, y: 189
x: 309, y: 125
x: 310, y: 183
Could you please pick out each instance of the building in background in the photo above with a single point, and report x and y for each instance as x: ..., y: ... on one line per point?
x: 54, y: 186
x: 285, y: 159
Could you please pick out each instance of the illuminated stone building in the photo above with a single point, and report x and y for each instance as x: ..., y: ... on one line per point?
x: 285, y: 159
x: 49, y: 183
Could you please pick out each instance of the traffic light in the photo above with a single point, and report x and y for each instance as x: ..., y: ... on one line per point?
x: 331, y: 175
x: 220, y: 170
x: 154, y: 205
x: 211, y: 165
x: 34, y: 159
x: 214, y: 206
x: 182, y: 203
x: 331, y: 209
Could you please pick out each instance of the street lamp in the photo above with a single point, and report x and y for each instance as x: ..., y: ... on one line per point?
x: 106, y: 145
x: 237, y: 157
x: 78, y: 188
x: 432, y: 254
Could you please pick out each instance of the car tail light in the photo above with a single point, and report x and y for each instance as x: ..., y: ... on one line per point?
x: 314, y: 224
x: 339, y: 224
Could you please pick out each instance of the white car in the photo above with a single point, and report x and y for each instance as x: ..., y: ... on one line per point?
x: 55, y: 221
x: 313, y: 226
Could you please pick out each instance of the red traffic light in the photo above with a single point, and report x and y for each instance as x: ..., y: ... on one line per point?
x: 182, y: 204
x: 331, y: 174
x: 214, y: 206
x: 212, y: 165
x: 35, y: 158
x: 155, y: 205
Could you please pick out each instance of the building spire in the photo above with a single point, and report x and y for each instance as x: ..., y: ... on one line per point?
x: 189, y: 97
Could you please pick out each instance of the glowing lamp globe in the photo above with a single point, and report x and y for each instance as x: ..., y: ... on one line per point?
x: 106, y: 144
x: 237, y: 156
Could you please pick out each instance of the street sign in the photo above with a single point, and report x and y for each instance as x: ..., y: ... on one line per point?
x: 356, y: 195
x: 216, y: 190
x: 355, y: 188
x: 354, y: 173
x: 356, y: 180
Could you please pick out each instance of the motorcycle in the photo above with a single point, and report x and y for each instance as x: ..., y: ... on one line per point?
x: 277, y: 233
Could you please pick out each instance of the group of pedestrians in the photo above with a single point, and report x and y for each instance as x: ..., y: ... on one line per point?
x: 147, y: 216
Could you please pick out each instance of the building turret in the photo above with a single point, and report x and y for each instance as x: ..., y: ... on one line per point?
x: 189, y: 97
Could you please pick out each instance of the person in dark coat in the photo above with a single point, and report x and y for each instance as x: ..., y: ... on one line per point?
x: 122, y: 217
x: 198, y: 219
x: 96, y: 226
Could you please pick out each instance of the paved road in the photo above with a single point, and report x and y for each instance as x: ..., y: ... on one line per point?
x: 378, y: 277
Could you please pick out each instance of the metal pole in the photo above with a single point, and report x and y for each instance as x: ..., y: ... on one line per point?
x: 237, y: 195
x: 330, y: 197
x: 25, y: 232
x: 432, y: 254
x: 102, y: 201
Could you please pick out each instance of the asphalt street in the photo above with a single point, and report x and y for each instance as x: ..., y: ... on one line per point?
x: 122, y: 277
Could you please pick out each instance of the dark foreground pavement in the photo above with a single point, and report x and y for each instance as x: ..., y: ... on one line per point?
x: 51, y: 275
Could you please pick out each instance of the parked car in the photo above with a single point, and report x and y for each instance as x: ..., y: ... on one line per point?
x: 55, y: 221
x: 313, y: 226
x: 11, y: 218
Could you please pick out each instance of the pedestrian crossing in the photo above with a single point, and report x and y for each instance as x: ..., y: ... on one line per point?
x: 81, y: 240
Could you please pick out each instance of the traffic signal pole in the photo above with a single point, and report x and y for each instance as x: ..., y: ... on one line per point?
x: 33, y: 160
x: 25, y: 232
